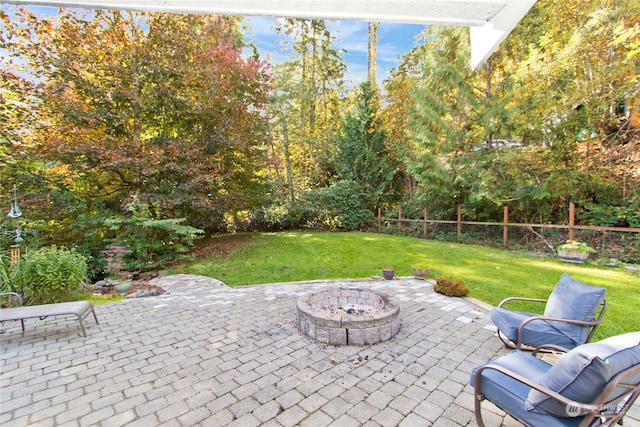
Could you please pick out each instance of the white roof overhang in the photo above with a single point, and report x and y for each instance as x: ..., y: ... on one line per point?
x: 490, y: 21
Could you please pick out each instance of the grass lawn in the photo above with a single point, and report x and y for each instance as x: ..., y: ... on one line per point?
x: 491, y: 274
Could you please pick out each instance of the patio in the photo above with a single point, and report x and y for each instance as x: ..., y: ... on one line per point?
x: 206, y: 354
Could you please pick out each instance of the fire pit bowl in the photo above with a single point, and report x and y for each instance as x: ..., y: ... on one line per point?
x: 345, y: 316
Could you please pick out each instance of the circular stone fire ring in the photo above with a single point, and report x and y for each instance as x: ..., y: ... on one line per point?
x: 348, y: 316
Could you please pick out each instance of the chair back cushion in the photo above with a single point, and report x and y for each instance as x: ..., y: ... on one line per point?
x: 582, y: 374
x: 575, y: 300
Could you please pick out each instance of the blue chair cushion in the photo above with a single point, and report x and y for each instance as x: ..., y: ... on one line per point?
x: 510, y: 394
x: 582, y: 373
x: 537, y: 332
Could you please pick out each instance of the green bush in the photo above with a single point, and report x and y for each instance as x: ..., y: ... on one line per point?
x: 613, y: 216
x: 49, y: 275
x: 281, y: 215
x: 342, y: 206
x: 96, y: 260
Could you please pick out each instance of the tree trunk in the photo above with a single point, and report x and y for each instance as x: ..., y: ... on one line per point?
x: 287, y: 157
x: 487, y: 94
x: 372, y: 53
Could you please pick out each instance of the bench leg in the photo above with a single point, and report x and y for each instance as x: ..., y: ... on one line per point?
x: 94, y: 315
x: 81, y: 316
x: 81, y: 325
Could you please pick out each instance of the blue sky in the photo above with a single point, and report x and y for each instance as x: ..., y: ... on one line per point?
x: 351, y: 36
x: 393, y: 41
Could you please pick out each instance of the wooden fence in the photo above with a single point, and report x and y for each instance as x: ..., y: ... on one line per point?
x: 505, y: 224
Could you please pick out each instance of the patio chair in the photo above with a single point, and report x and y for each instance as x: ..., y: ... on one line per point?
x: 571, y: 315
x: 593, y: 384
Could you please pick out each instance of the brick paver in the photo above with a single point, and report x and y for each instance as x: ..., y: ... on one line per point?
x: 206, y: 354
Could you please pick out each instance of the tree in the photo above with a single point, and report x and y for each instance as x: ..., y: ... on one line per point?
x: 307, y: 105
x: 576, y: 67
x: 443, y: 121
x: 577, y: 62
x: 163, y: 107
x: 361, y: 153
x: 399, y: 101
x: 445, y: 102
x: 544, y: 84
x: 18, y: 113
x: 365, y: 171
x: 372, y: 53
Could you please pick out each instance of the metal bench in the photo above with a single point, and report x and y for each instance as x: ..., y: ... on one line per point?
x: 80, y: 309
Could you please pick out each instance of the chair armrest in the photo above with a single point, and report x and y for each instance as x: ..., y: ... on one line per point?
x: 557, y: 319
x: 17, y: 297
x: 506, y: 300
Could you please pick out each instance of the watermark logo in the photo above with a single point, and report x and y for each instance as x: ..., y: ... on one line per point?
x: 573, y: 409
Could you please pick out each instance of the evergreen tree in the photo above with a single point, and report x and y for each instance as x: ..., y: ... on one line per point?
x: 362, y: 155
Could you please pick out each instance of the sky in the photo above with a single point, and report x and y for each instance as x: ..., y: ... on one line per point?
x: 394, y: 40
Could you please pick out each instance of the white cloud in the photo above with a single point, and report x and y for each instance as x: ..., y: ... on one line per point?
x: 349, y: 35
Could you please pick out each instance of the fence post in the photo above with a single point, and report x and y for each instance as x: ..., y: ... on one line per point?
x: 505, y: 229
x: 459, y: 221
x: 572, y: 219
x: 425, y: 224
x: 400, y: 228
x: 379, y: 220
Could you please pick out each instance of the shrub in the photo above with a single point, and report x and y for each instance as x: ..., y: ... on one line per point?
x: 342, y: 206
x: 96, y: 260
x: 153, y: 241
x: 614, y: 216
x: 451, y: 287
x: 49, y: 275
x: 281, y: 215
x: 576, y: 246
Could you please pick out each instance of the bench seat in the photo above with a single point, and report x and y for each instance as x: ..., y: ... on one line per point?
x: 80, y: 309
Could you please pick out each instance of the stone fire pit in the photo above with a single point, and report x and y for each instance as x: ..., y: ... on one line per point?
x: 348, y: 316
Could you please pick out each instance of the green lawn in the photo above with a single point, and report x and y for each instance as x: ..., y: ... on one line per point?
x: 491, y: 274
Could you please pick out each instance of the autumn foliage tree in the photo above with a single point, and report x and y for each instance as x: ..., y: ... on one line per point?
x: 164, y: 108
x: 307, y: 106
